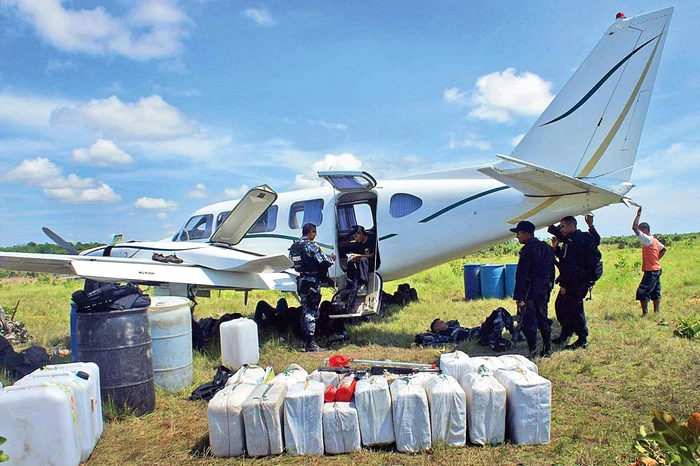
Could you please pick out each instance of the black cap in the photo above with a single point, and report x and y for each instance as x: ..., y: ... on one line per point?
x: 524, y: 225
x: 356, y: 230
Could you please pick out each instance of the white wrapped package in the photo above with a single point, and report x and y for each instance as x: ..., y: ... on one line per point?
x: 341, y: 428
x: 491, y: 363
x: 327, y: 377
x: 448, y: 411
x: 294, y: 373
x: 411, y: 415
x: 373, y: 402
x: 513, y: 361
x: 226, y: 432
x: 262, y: 416
x: 424, y: 378
x: 303, y: 419
x: 528, y: 405
x: 454, y: 364
x: 249, y: 374
x: 486, y: 407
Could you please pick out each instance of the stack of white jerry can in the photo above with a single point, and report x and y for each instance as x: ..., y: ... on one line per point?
x: 53, y: 415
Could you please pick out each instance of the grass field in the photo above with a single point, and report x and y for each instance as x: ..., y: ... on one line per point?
x: 600, y: 396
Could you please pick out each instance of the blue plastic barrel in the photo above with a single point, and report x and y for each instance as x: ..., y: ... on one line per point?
x: 492, y: 281
x: 472, y: 287
x: 510, y: 279
x: 73, y: 332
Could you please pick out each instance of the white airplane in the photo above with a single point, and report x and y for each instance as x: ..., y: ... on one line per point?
x: 577, y: 157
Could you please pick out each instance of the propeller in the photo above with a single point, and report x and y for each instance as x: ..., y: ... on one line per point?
x: 60, y: 241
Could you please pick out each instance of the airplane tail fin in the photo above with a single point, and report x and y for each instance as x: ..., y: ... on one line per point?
x: 593, y: 126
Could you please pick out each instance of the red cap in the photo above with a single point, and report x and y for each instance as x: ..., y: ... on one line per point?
x: 620, y: 15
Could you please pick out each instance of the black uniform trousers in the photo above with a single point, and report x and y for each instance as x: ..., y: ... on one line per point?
x: 534, y: 317
x: 570, y: 312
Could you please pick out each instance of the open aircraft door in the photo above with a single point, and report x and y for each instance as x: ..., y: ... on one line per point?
x: 355, y: 204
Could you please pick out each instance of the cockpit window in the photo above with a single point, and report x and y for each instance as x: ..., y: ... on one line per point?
x: 198, y: 227
x: 266, y: 222
x: 222, y: 217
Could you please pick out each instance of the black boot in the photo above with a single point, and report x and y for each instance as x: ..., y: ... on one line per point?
x: 312, y: 346
x: 559, y: 340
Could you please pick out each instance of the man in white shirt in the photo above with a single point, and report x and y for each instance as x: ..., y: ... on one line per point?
x: 652, y: 251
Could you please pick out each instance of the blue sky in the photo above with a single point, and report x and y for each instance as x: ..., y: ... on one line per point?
x: 126, y: 116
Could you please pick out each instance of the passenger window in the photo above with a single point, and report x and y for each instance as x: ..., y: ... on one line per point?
x: 403, y: 204
x: 303, y: 212
x: 266, y: 222
x: 198, y: 227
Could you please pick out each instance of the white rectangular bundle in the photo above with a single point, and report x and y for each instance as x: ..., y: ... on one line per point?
x: 448, y: 411
x: 513, y: 361
x: 327, y: 377
x: 411, y: 415
x: 262, y: 416
x: 294, y: 373
x: 528, y: 405
x: 226, y: 431
x: 373, y: 402
x: 486, y: 407
x: 341, y: 428
x: 490, y: 362
x: 303, y: 418
x: 454, y: 364
x: 424, y: 377
x: 249, y: 374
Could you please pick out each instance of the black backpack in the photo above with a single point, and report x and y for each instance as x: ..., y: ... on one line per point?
x: 594, y: 262
x: 296, y: 251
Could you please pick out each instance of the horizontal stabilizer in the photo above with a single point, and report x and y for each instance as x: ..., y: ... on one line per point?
x: 536, y: 181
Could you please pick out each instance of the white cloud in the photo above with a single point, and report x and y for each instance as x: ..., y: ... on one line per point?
x: 329, y: 125
x: 103, y: 153
x: 28, y: 110
x: 516, y: 140
x: 454, y: 96
x: 235, y: 193
x: 162, y: 215
x: 199, y: 192
x: 153, y: 29
x: 260, y: 16
x: 97, y: 195
x: 310, y: 178
x: 500, y: 96
x: 56, y: 65
x: 69, y: 189
x: 152, y: 203
x: 472, y: 141
x: 150, y: 118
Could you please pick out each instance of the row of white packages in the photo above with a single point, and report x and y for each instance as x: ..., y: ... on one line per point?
x: 509, y: 382
x: 414, y: 413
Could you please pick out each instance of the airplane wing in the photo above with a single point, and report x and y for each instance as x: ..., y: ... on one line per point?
x: 535, y: 181
x: 259, y: 273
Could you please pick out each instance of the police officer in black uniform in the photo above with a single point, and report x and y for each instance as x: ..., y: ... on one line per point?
x: 571, y: 247
x: 363, y: 251
x: 312, y: 265
x: 534, y: 281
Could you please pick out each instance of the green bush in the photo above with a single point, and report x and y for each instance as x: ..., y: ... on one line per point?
x: 688, y: 327
x: 671, y: 443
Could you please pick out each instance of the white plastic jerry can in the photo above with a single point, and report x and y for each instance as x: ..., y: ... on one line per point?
x: 239, y: 343
x: 81, y: 386
x: 38, y: 422
x: 94, y: 371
